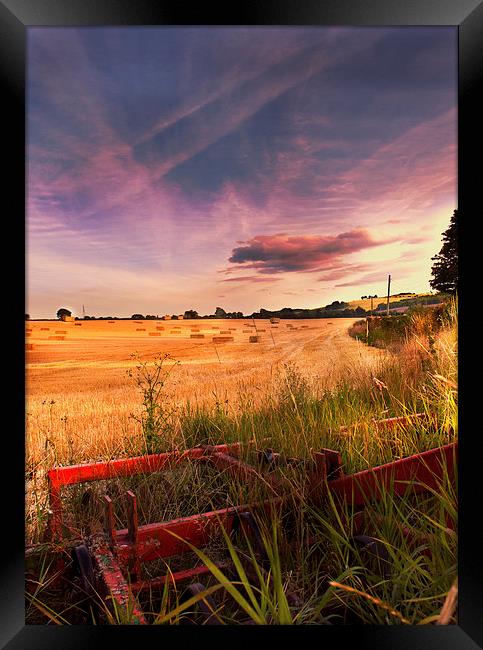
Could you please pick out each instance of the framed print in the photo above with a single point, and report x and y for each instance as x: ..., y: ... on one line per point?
x: 243, y: 282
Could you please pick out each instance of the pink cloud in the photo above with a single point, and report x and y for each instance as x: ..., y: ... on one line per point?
x: 282, y: 252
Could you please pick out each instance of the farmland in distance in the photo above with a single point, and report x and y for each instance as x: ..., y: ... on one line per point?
x: 78, y: 385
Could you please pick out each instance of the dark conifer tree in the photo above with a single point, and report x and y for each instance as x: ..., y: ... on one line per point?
x: 445, y: 267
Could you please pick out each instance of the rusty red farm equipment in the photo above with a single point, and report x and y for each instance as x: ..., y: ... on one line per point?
x: 109, y: 563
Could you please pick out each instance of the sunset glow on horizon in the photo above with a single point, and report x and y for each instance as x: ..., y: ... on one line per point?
x: 176, y: 168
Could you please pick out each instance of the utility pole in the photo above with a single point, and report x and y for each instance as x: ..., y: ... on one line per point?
x: 388, y: 293
x: 367, y: 320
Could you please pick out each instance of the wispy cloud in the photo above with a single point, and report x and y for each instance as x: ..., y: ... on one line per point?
x: 251, y: 278
x: 377, y: 277
x: 207, y: 123
x: 343, y: 270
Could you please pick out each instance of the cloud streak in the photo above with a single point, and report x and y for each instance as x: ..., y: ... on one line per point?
x: 251, y: 278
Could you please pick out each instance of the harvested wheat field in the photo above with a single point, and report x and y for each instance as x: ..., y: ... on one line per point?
x: 80, y: 396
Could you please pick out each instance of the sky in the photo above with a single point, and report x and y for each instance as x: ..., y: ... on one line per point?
x: 175, y: 168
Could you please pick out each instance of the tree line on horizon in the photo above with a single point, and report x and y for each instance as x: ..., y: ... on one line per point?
x: 336, y: 309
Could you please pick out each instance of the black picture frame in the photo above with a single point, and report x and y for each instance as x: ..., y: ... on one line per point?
x: 16, y: 16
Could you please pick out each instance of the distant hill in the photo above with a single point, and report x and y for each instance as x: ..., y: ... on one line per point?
x: 404, y: 299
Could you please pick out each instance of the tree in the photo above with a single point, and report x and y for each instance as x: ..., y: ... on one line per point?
x: 337, y: 305
x: 445, y: 267
x: 191, y: 313
x: 27, y: 316
x: 137, y: 317
x: 220, y: 313
x: 63, y: 312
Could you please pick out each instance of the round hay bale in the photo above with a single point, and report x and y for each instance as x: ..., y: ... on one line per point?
x: 29, y: 346
x: 253, y: 339
x: 154, y: 333
x: 140, y: 329
x: 197, y: 336
x: 222, y: 339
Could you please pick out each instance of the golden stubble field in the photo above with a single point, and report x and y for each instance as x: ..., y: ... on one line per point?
x: 79, y: 396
